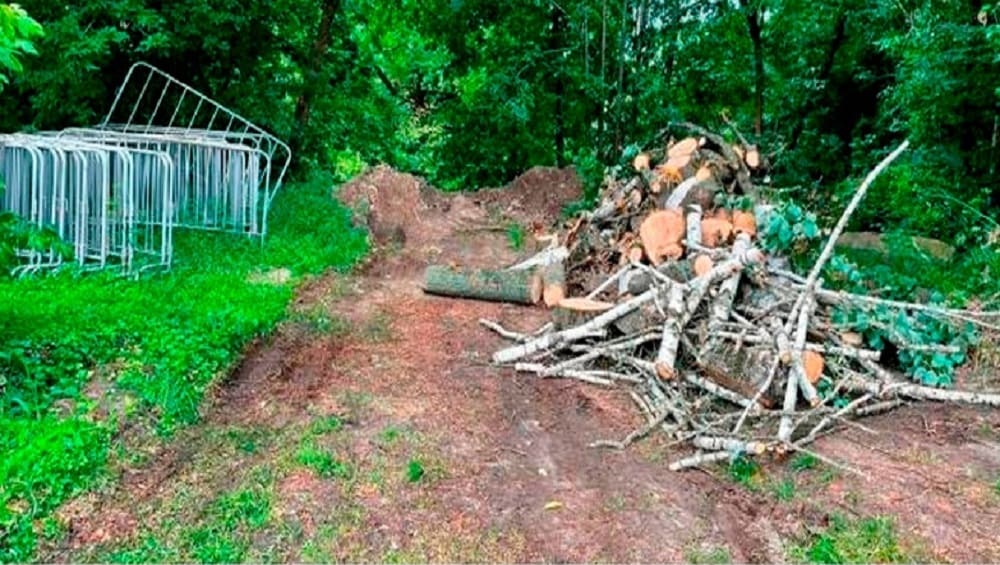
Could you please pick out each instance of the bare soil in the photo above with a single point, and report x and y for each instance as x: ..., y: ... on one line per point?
x: 509, y: 474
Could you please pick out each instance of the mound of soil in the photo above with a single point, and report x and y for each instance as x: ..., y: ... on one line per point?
x: 535, y: 198
x: 418, y: 223
x: 394, y: 206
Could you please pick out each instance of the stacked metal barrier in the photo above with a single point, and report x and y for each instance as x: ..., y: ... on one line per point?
x: 111, y: 205
x: 115, y: 192
x: 239, y: 164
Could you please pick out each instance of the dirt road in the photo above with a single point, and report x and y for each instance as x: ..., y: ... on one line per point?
x: 433, y: 454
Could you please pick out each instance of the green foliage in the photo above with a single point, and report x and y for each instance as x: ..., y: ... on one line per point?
x: 415, y: 471
x: 81, y: 355
x: 147, y: 550
x: 229, y: 522
x: 322, y: 462
x: 390, y: 435
x: 708, y: 556
x: 515, y: 236
x: 790, y: 230
x: 784, y: 490
x: 319, y: 321
x: 803, y: 462
x: 744, y: 471
x: 591, y: 172
x: 45, y: 461
x: 17, y: 34
x: 870, y: 540
x: 881, y: 326
x: 326, y: 425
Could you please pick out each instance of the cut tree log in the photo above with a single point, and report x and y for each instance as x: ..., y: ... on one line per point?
x: 715, y: 232
x: 702, y: 264
x: 679, y: 166
x: 684, y: 147
x: 722, y: 306
x: 611, y: 202
x: 752, y: 158
x: 542, y: 259
x: 741, y: 369
x: 697, y: 289
x: 919, y: 392
x: 641, y: 162
x: 699, y: 459
x: 813, y: 363
x: 661, y: 234
x: 554, y: 284
x: 679, y: 271
x: 712, y: 443
x: 680, y: 193
x: 745, y: 222
x: 742, y: 173
x: 522, y: 286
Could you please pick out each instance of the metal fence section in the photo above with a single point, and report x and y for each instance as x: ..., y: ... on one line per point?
x: 165, y: 156
x: 152, y: 102
x: 217, y: 185
x: 106, y: 203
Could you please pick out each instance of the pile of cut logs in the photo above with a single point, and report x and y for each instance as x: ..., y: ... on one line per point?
x: 666, y: 293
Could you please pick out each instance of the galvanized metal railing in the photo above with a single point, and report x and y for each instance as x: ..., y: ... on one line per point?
x: 164, y: 156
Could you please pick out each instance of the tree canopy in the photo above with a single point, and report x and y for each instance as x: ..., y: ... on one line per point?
x: 471, y: 92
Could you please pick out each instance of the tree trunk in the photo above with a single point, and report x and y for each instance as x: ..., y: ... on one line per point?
x: 838, y: 39
x: 754, y: 16
x: 522, y: 286
x: 303, y: 105
x: 556, y: 44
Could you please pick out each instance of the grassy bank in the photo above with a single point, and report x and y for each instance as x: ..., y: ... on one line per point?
x: 81, y: 356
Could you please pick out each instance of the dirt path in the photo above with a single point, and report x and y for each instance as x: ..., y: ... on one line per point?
x: 432, y: 454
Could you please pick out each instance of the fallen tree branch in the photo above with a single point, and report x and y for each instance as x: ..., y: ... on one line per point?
x: 700, y: 459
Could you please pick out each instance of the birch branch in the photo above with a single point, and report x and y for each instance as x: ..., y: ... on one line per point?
x: 824, y: 256
x: 699, y: 459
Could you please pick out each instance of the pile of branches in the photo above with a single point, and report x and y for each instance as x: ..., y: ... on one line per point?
x: 668, y: 295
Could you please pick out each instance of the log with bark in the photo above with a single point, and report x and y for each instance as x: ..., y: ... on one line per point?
x: 517, y: 286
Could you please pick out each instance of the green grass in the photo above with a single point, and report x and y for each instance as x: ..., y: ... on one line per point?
x: 745, y: 471
x: 869, y: 540
x: 319, y: 321
x: 515, y: 236
x: 708, y: 555
x: 224, y: 537
x: 148, y: 349
x: 415, y: 471
x: 323, y: 462
x: 784, y: 490
x: 804, y: 462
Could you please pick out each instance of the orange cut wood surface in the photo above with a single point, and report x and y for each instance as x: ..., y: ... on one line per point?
x: 715, y: 232
x: 661, y: 234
